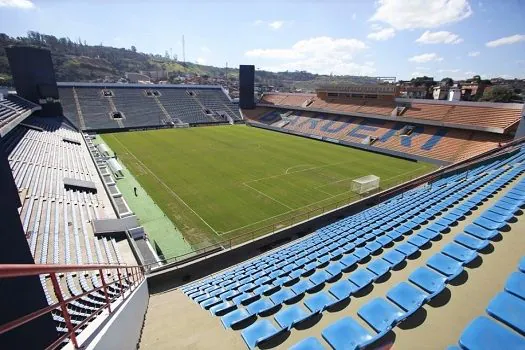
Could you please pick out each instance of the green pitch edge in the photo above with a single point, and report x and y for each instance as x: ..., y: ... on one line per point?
x: 157, y: 225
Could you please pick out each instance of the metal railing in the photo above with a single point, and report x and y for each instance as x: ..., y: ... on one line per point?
x: 128, y: 279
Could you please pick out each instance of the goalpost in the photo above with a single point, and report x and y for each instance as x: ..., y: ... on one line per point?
x: 365, y: 184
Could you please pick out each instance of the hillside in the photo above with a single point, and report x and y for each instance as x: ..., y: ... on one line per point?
x: 78, y: 61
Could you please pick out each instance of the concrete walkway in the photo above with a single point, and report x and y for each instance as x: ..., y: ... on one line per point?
x: 157, y: 225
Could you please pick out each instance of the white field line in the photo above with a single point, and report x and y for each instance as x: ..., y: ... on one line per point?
x: 298, y: 171
x: 313, y: 203
x: 295, y: 166
x: 167, y: 187
x: 268, y: 196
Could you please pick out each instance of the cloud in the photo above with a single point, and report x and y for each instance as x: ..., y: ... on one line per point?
x: 383, y: 34
x: 323, y: 55
x: 422, y: 68
x: 513, y: 39
x: 449, y: 70
x: 442, y: 37
x: 275, y: 25
x: 205, y: 49
x: 200, y: 60
x: 21, y: 4
x: 474, y: 53
x: 354, y: 16
x: 426, y: 57
x: 410, y: 14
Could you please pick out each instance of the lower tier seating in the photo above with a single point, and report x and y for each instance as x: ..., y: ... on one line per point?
x: 439, y: 143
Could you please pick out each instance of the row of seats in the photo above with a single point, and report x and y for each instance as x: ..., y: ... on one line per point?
x: 269, y: 283
x: 172, y: 104
x: 13, y: 106
x: 442, y: 144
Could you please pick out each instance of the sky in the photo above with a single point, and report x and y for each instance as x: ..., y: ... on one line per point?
x: 393, y: 38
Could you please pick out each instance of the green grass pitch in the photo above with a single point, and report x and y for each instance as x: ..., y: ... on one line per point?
x: 216, y: 183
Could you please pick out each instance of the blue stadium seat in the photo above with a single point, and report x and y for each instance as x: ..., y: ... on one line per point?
x: 407, y: 297
x: 318, y: 302
x: 310, y: 343
x: 235, y: 317
x: 290, y: 316
x: 347, y: 334
x: 471, y: 242
x: 447, y: 266
x: 459, y: 252
x: 485, y: 334
x: 362, y: 278
x: 282, y: 296
x: 341, y: 290
x: 508, y: 309
x: 428, y: 280
x: 394, y: 257
x: 381, y: 315
x: 258, y: 332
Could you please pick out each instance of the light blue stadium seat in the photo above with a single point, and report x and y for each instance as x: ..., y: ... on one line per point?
x: 318, y: 302
x: 407, y: 297
x: 394, y: 257
x: 222, y: 308
x: 485, y: 334
x: 508, y: 309
x: 347, y: 334
x: 407, y: 249
x: 480, y: 232
x: 282, y: 296
x: 379, y: 267
x: 235, y: 317
x: 459, y: 252
x: 471, y: 242
x: 290, y: 316
x: 381, y: 315
x: 258, y: 332
x: 446, y: 265
x: 261, y: 306
x: 341, y: 290
x: 362, y: 278
x: 310, y: 343
x: 428, y: 280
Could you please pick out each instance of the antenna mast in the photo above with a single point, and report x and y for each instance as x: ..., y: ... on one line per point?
x: 183, y: 50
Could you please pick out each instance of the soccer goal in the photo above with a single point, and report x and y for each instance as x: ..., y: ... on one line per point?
x: 365, y: 184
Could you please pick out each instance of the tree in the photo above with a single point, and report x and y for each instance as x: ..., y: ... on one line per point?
x: 133, y: 48
x: 447, y: 82
x: 499, y: 94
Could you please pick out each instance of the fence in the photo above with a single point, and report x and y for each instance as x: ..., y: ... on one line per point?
x: 128, y: 279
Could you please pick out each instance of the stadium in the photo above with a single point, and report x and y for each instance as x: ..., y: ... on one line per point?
x: 171, y: 216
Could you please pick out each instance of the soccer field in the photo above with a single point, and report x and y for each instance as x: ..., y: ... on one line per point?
x: 216, y: 183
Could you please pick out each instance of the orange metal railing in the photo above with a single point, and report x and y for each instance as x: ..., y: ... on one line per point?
x: 128, y: 279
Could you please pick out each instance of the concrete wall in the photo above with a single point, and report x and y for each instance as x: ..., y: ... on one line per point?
x: 124, y: 328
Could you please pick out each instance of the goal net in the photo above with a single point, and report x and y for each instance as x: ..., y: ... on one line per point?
x: 365, y: 184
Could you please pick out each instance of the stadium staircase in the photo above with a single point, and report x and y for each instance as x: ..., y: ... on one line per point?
x: 79, y: 111
x: 287, y: 288
x: 168, y: 118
